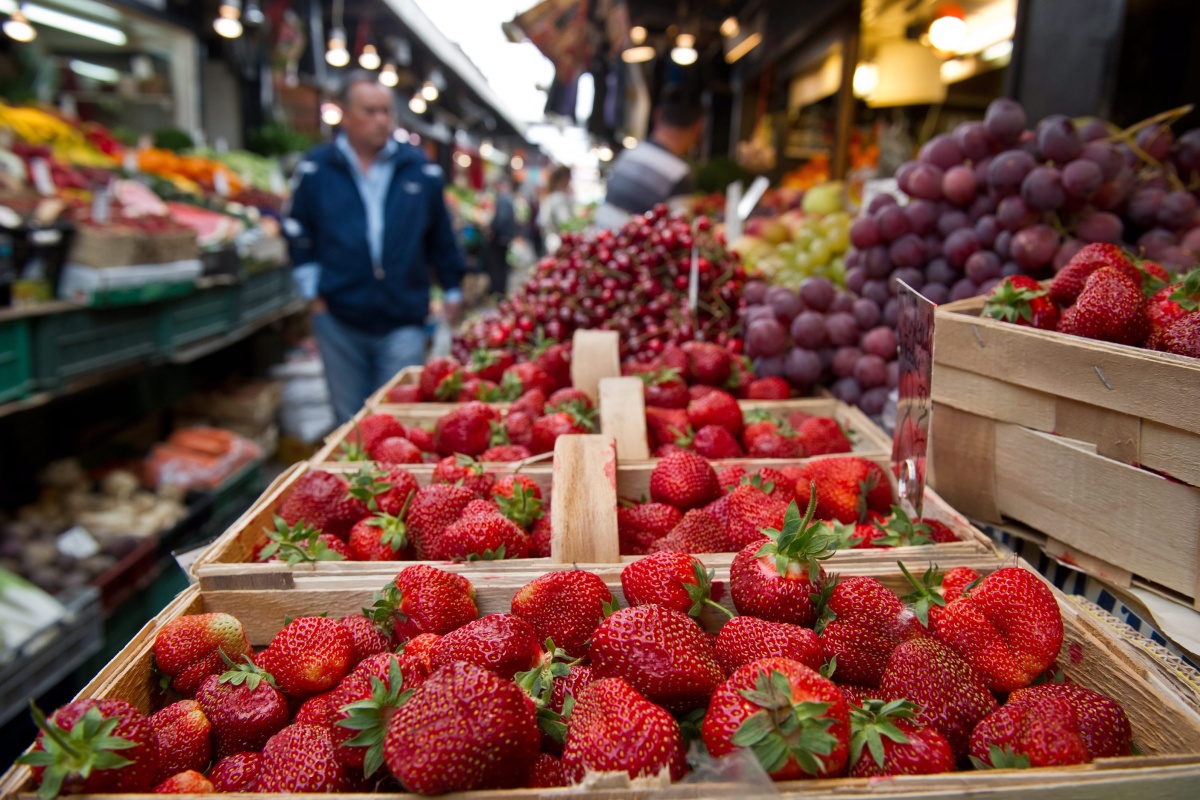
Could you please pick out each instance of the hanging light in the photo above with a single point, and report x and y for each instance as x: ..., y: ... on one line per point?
x: 463, y: 160
x: 605, y: 153
x: 629, y: 142
x: 17, y: 27
x: 369, y: 57
x: 638, y: 55
x: 684, y: 51
x: 486, y: 149
x: 949, y: 28
x: 228, y: 22
x: 388, y: 75
x: 331, y: 114
x: 253, y: 15
x: 337, y: 55
x: 730, y: 27
x: 866, y: 79
x: 637, y: 34
x: 418, y: 105
x: 430, y: 91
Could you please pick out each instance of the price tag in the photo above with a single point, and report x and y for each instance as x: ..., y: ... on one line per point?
x: 77, y: 543
x: 42, y: 181
x: 221, y: 183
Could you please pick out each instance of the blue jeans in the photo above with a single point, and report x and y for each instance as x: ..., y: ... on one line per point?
x: 357, y: 363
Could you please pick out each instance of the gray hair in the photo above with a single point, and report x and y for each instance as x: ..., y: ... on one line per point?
x: 354, y: 78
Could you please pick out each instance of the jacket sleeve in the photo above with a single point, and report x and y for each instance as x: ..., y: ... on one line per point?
x: 441, y: 244
x: 300, y: 215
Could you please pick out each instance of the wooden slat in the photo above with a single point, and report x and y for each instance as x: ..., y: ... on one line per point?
x: 1171, y: 450
x: 594, y: 355
x: 990, y: 397
x: 1061, y: 551
x: 962, y: 469
x: 623, y: 416
x: 584, y: 517
x: 1116, y: 435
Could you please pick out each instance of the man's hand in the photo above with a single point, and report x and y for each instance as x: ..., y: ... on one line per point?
x: 452, y: 310
x: 317, y: 306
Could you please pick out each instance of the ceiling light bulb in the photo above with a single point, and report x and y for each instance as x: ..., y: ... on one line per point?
x: 331, y: 114
x: 866, y: 79
x: 637, y: 34
x: 336, y: 54
x: 638, y: 55
x: 730, y: 27
x: 253, y: 15
x: 17, y: 27
x: 418, y: 105
x: 947, y: 33
x: 369, y: 57
x: 429, y: 91
x: 388, y: 76
x: 227, y: 28
x: 685, y: 40
x: 605, y: 153
x: 684, y: 56
x: 629, y: 142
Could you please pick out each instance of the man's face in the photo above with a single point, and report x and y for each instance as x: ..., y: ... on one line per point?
x: 369, y: 117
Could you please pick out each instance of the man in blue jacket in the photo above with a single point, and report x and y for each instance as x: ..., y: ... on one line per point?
x: 369, y: 232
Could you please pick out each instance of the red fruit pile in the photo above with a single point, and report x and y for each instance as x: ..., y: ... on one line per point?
x: 633, y: 280
x: 818, y: 678
x: 501, y: 373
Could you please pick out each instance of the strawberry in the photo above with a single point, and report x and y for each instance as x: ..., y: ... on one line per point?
x: 1110, y: 308
x: 1021, y: 300
x: 503, y: 643
x: 554, y: 359
x: 758, y: 422
x: 186, y: 782
x: 1041, y: 733
x: 564, y: 606
x: 539, y: 538
x: 774, y: 445
x: 310, y: 655
x: 530, y: 376
x: 1170, y: 304
x: 1183, y: 337
x: 372, y: 429
x: 772, y: 388
x: 665, y: 389
x: 188, y: 649
x: 322, y: 500
x: 819, y: 436
x: 885, y: 741
x: 464, y: 471
x: 774, y: 580
x: 491, y: 364
x: 395, y: 450
x: 382, y: 537
x: 665, y: 425
x: 423, y: 599
x: 547, y: 773
x: 861, y: 623
x: 751, y: 512
x: 532, y: 403
x: 1099, y: 720
x: 731, y: 476
x: 520, y: 499
x: 673, y: 580
x: 674, y: 357
x: 516, y: 429
x: 569, y: 419
x: 422, y: 438
x: 775, y: 483
x: 506, y: 453
x: 467, y: 430
x: 716, y: 408
x: 366, y: 638
x: 1069, y: 282
x: 715, y: 442
x: 301, y: 543
x: 569, y: 396
x: 698, y: 532
x: 465, y: 728
x: 745, y: 639
x: 934, y: 591
x: 420, y: 649
x: 183, y: 734
x: 432, y: 510
x: 483, y: 536
x: 236, y: 773
x: 316, y: 710
x: 244, y: 707
x: 951, y: 696
x: 792, y: 719
x: 405, y: 393
x: 661, y: 652
x: 598, y: 737
x: 684, y: 480
x: 1008, y: 628
x: 847, y: 488
x: 300, y: 759
x: 899, y: 530
x: 640, y: 526
x: 441, y: 380
x: 91, y: 747
x: 708, y: 364
x: 362, y: 707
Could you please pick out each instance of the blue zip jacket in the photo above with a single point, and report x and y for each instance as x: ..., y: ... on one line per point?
x: 327, y: 225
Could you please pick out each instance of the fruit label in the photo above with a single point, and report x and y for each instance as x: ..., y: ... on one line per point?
x: 911, y: 439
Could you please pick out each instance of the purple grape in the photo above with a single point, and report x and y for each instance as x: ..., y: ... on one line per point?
x: 826, y: 354
x: 758, y: 312
x: 784, y: 303
x: 925, y: 182
x: 922, y: 216
x: 986, y: 229
x: 963, y: 289
x: 844, y: 359
x: 1028, y: 143
x: 1042, y: 189
x: 1143, y: 206
x: 1065, y: 252
x: 973, y: 140
x: 1187, y: 152
x: 765, y: 337
x: 1155, y: 141
x: 876, y: 289
x: 1013, y: 214
x: 866, y: 313
x: 933, y: 246
x: 1112, y: 194
x: 892, y: 223
x: 842, y: 302
x: 879, y: 341
x: 939, y: 271
x: 983, y: 265
x: 1058, y: 140
x: 871, y: 371
x: 953, y: 221
x: 988, y: 285
x: 981, y: 206
x: 802, y: 367
x: 1105, y: 156
x: 842, y: 329
x: 1011, y: 268
x: 877, y: 262
x: 907, y: 251
x: 1156, y: 241
x: 854, y: 258
x: 1082, y: 177
x: 1191, y: 241
x: 808, y: 330
x: 880, y: 202
x: 855, y: 278
x: 1101, y: 226
x: 894, y: 367
x: 863, y: 232
x: 958, y: 184
x: 847, y: 390
x: 1177, y: 259
x: 754, y: 292
x: 1129, y: 158
x: 769, y: 367
x: 1007, y: 170
x: 817, y: 292
x: 981, y: 172
x: 1033, y: 247
x: 942, y: 151
x: 873, y: 401
x: 1004, y: 120
x: 1177, y: 209
x: 891, y: 312
x: 911, y: 275
x: 1003, y: 244
x: 904, y: 175
x: 1093, y: 130
x: 936, y: 293
x: 960, y: 245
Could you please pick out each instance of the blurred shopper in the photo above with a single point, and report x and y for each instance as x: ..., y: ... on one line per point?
x: 500, y: 238
x: 366, y: 223
x: 654, y: 171
x: 556, y: 212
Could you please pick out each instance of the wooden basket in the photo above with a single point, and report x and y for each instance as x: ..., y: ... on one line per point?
x: 1165, y: 720
x: 1096, y: 445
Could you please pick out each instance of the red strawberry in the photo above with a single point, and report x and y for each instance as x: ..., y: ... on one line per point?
x: 395, y: 450
x: 569, y: 396
x: 366, y: 638
x: 899, y: 530
x: 665, y: 389
x: 935, y: 591
x: 405, y: 393
x: 885, y: 741
x: 554, y: 359
x: 236, y: 773
x: 951, y: 696
x: 322, y: 500
x: 503, y: 643
x: 1069, y: 282
x: 773, y: 388
x: 847, y: 488
x: 382, y: 537
x: 684, y: 480
x: 775, y: 483
x: 491, y: 364
x: 387, y: 490
x: 715, y: 442
x: 188, y: 649
x: 486, y: 536
x: 441, y: 380
x: 467, y: 430
x: 1170, y: 304
x: 310, y: 655
x: 244, y: 708
x: 1183, y: 337
x: 423, y: 599
x: 1021, y: 300
x: 506, y: 453
x: 775, y: 579
x: 464, y: 471
x: 665, y: 425
x: 563, y: 606
x: 640, y: 526
x: 1110, y: 308
x: 315, y: 710
x: 517, y: 430
x: 708, y: 364
x: 93, y: 747
x: 300, y: 759
x: 598, y: 737
x: 422, y: 438
x: 1099, y: 720
x: 568, y: 420
x: 184, y: 738
x: 1042, y: 733
x: 301, y: 543
x: 532, y: 404
x: 746, y: 639
x: 731, y: 476
x: 432, y: 510
x: 794, y: 720
x: 478, y: 389
x: 362, y: 707
x: 663, y: 654
x: 774, y: 445
x: 465, y: 728
x: 751, y: 512
x: 531, y: 376
x: 539, y: 538
x: 372, y: 429
x: 861, y: 624
x: 716, y: 408
x: 673, y: 580
x: 507, y: 487
x: 547, y: 773
x: 698, y: 532
x: 186, y: 782
x: 819, y: 436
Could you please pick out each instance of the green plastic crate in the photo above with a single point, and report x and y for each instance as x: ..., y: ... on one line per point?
x: 16, y: 376
x: 201, y: 315
x: 264, y: 293
x: 74, y: 344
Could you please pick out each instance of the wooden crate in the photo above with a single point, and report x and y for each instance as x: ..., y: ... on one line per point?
x: 1163, y: 712
x: 1096, y: 445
